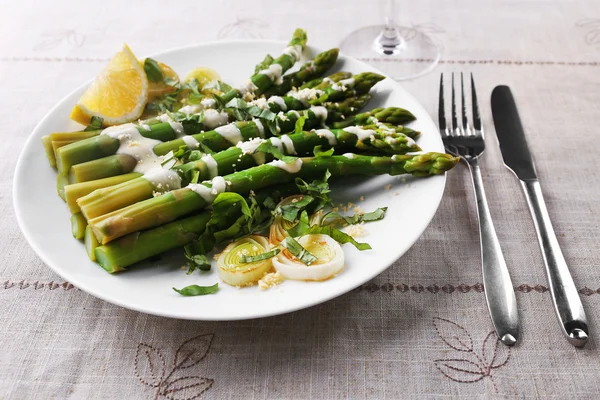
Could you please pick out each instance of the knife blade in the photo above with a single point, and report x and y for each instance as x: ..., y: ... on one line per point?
x: 517, y: 157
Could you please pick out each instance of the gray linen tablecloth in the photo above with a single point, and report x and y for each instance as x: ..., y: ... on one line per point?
x: 421, y: 328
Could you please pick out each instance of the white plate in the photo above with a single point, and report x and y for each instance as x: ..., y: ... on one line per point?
x: 44, y: 218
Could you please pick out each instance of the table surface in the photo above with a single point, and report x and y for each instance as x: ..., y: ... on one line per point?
x: 421, y: 328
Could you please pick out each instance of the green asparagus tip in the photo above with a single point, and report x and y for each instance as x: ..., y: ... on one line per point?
x: 299, y: 38
x: 430, y: 164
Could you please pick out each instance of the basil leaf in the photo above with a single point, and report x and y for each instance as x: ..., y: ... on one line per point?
x: 95, y: 124
x: 301, y: 227
x: 260, y: 257
x: 195, y: 290
x: 376, y: 215
x: 338, y: 236
x: 319, y: 189
x: 290, y: 211
x: 153, y: 71
x: 299, y: 124
x: 194, y: 260
x: 298, y: 251
x: 318, y: 152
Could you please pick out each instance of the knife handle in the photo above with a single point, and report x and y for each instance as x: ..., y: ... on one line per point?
x: 565, y: 297
x: 499, y: 290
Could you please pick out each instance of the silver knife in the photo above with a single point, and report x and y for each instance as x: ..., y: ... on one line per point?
x: 518, y: 159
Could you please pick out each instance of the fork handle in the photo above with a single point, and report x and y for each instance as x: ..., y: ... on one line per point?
x: 499, y: 291
x: 567, y: 303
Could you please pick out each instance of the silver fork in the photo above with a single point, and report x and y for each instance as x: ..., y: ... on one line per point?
x: 467, y: 143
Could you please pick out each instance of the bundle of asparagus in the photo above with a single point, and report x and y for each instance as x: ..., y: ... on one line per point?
x: 137, y: 190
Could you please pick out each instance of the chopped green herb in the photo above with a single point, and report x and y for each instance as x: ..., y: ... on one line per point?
x: 301, y: 227
x: 153, y: 71
x: 376, y: 215
x: 195, y: 261
x: 195, y: 290
x: 318, y: 152
x: 299, y: 124
x: 259, y: 257
x: 298, y: 251
x: 338, y: 236
x: 95, y: 124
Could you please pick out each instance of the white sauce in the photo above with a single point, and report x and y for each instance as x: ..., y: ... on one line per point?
x: 248, y: 87
x: 209, y: 194
x: 305, y: 95
x: 208, y: 103
x: 279, y: 101
x: 261, y: 103
x: 360, y: 133
x: 410, y: 142
x: 190, y: 109
x: 277, y: 143
x: 320, y: 112
x: 190, y: 142
x: 250, y: 146
x: 293, y: 51
x: 273, y: 72
x: 163, y: 179
x: 231, y: 133
x: 145, y: 126
x: 348, y: 155
x: 295, y: 113
x: 289, y: 145
x: 213, y: 118
x: 328, y: 80
x: 259, y: 126
x: 326, y: 133
x: 343, y: 84
x: 135, y: 145
x: 176, y: 126
x: 211, y: 165
x: 292, y: 168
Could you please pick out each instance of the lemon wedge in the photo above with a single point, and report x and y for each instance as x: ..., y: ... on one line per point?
x: 203, y: 75
x: 117, y: 95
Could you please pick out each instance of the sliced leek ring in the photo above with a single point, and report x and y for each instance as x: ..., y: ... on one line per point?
x: 234, y: 273
x: 280, y: 226
x: 330, y: 259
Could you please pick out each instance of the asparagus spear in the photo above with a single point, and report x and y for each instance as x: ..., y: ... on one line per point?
x: 310, y: 70
x: 120, y: 254
x: 241, y: 157
x: 91, y: 243
x: 78, y: 225
x: 335, y: 77
x: 335, y: 91
x: 391, y: 115
x: 53, y: 141
x: 263, y: 79
x: 163, y: 209
x: 100, y: 146
x: 78, y: 190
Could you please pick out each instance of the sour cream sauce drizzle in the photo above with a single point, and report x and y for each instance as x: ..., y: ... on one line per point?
x: 133, y: 144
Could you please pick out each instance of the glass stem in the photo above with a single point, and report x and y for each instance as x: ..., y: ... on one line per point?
x: 389, y: 40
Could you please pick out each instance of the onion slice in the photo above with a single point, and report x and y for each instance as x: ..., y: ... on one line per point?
x: 235, y: 273
x: 330, y: 259
x: 280, y: 226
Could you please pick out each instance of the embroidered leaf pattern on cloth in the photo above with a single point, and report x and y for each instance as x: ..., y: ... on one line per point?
x: 176, y: 384
x: 469, y: 364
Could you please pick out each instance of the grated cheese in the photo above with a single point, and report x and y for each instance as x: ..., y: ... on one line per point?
x: 269, y: 280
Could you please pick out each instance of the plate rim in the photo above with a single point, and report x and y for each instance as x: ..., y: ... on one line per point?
x: 110, y: 298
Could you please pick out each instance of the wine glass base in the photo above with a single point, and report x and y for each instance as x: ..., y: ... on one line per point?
x: 415, y: 54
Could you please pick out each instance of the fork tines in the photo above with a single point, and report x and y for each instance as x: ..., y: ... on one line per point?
x: 462, y: 129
